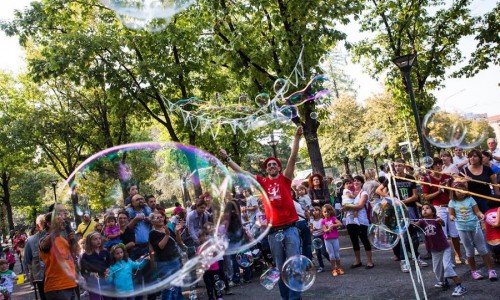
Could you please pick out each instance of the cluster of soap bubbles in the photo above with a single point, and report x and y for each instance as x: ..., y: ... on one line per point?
x: 169, y: 171
x: 445, y: 129
x: 390, y: 218
x: 151, y: 15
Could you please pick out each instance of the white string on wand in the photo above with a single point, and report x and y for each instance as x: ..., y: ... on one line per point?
x: 403, y: 244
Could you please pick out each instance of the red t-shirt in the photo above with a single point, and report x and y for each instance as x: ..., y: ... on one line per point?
x: 490, y: 217
x: 444, y: 196
x: 280, y: 209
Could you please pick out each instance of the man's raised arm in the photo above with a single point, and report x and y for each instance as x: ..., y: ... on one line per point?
x: 290, y: 166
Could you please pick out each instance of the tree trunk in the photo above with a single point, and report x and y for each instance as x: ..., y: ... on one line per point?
x: 74, y: 204
x: 6, y: 198
x: 346, y: 165
x: 361, y: 160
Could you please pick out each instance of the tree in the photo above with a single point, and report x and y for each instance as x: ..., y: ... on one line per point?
x: 15, y: 155
x: 340, y: 134
x: 488, y: 44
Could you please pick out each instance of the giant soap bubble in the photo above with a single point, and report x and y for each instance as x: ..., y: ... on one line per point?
x: 392, y: 214
x: 151, y: 15
x: 298, y: 273
x: 171, y: 172
x: 447, y: 129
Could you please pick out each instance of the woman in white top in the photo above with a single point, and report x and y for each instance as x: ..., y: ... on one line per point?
x: 359, y: 232
x: 448, y: 166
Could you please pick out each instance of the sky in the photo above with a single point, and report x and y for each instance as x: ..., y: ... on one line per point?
x: 480, y: 94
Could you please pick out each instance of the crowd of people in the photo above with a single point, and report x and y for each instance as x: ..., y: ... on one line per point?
x: 140, y: 243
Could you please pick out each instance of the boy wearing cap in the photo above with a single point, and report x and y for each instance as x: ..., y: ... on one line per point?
x: 280, y: 209
x: 7, y: 278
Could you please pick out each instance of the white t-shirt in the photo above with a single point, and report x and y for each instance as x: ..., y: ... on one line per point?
x: 346, y: 199
x: 362, y: 217
x: 496, y: 153
x: 317, y: 228
x: 457, y: 160
x: 250, y: 202
x: 451, y: 169
x: 7, y: 280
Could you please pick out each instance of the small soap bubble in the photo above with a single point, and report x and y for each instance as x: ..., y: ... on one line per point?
x: 281, y: 86
x: 243, y: 144
x: 244, y: 259
x: 375, y: 141
x: 289, y: 111
x: 313, y: 115
x: 219, y: 285
x: 279, y: 237
x: 404, y: 149
x: 298, y: 273
x: 427, y: 161
x: 262, y: 99
x: 317, y: 243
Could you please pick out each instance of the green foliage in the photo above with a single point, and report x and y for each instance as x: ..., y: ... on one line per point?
x: 488, y: 44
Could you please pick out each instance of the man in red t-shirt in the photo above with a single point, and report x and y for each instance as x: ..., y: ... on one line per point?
x: 280, y: 209
x: 439, y: 198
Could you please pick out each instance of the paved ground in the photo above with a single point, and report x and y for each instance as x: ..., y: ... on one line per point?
x: 385, y: 281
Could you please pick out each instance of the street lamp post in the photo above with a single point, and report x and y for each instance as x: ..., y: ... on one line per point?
x: 404, y: 64
x: 273, y: 143
x: 53, y: 183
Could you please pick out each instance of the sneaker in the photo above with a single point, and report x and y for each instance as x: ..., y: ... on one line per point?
x: 459, y: 291
x: 476, y: 275
x: 422, y: 263
x: 404, y: 267
x: 492, y: 274
x: 84, y: 294
x: 442, y: 284
x: 334, y: 273
x: 320, y: 269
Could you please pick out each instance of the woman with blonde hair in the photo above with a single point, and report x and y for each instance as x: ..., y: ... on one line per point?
x: 371, y: 185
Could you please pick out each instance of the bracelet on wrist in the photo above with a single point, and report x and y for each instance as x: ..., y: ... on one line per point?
x: 227, y: 159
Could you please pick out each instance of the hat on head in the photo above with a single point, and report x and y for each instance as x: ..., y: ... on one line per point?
x: 272, y: 158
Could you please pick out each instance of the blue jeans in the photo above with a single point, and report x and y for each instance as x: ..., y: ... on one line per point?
x: 165, y: 269
x: 289, y: 247
x: 305, y: 236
